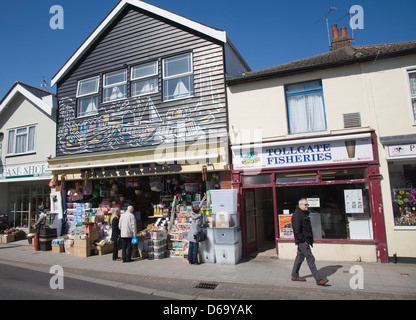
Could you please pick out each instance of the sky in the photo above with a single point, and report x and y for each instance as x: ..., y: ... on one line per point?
x: 265, y: 32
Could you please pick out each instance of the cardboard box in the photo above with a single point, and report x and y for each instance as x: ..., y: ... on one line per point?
x: 104, y: 249
x: 6, y: 238
x: 93, y: 234
x: 58, y: 248
x: 82, y: 248
x: 222, y: 224
x: 82, y: 252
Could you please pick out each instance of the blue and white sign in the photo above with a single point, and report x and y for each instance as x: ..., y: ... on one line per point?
x: 305, y: 152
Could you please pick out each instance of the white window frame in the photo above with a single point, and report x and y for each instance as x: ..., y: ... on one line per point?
x: 304, y: 92
x: 411, y: 96
x: 89, y: 95
x: 189, y: 73
x: 12, y: 145
x: 114, y: 85
x: 147, y: 77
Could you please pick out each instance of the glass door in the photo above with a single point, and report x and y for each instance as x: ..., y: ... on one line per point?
x: 250, y: 221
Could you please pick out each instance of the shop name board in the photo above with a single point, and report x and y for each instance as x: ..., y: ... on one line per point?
x: 402, y: 151
x: 132, y: 171
x: 309, y: 153
x: 336, y: 151
x: 25, y: 171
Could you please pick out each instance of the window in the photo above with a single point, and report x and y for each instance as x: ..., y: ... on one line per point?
x: 305, y: 107
x: 21, y: 140
x: 337, y: 211
x: 115, y: 85
x: 412, y: 84
x: 87, y: 94
x: 144, y: 79
x: 403, y: 181
x: 178, y: 79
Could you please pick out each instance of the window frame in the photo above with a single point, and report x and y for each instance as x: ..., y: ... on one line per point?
x: 305, y: 92
x: 14, y: 142
x: 88, y: 95
x: 411, y: 96
x: 151, y: 76
x: 177, y: 76
x: 113, y: 85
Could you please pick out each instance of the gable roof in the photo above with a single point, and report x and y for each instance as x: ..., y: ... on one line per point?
x: 343, y: 56
x: 42, y: 99
x: 211, y: 32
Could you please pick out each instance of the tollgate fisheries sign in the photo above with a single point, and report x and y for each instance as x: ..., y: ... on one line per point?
x: 305, y: 152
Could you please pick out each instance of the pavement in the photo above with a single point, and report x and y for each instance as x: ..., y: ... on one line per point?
x: 250, y: 279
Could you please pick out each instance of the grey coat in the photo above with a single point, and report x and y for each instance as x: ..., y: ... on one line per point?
x: 197, y: 221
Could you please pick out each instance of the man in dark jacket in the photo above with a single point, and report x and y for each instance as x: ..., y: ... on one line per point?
x: 302, y: 230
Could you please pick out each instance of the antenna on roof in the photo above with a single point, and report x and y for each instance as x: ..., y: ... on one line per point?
x: 44, y: 85
x: 325, y: 16
x: 352, y: 29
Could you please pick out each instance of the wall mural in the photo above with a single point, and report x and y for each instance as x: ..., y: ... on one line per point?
x: 135, y: 122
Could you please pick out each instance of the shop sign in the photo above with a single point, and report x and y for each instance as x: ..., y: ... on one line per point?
x: 132, y: 171
x: 401, y: 151
x: 31, y: 170
x: 303, y: 153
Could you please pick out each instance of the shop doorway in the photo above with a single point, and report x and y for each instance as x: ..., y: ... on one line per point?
x: 259, y: 228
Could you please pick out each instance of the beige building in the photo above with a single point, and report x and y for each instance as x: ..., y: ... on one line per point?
x: 337, y: 129
x: 27, y: 140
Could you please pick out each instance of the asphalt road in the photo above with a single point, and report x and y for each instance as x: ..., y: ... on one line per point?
x: 25, y: 284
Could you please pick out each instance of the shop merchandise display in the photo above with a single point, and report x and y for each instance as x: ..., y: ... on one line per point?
x: 163, y: 216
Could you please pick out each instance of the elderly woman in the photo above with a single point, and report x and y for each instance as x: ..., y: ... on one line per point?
x: 196, y: 226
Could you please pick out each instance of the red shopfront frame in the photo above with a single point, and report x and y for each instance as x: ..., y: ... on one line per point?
x: 372, y: 179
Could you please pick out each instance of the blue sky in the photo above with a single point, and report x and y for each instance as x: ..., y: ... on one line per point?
x: 266, y: 32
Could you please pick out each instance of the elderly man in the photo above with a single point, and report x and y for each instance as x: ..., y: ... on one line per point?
x: 302, y: 230
x: 128, y: 230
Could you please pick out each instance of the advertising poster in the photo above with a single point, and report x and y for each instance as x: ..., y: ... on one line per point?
x: 285, y: 226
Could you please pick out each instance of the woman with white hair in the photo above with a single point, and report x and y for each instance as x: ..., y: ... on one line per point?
x: 128, y: 230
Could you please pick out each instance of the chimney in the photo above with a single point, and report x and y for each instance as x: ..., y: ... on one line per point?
x: 337, y: 41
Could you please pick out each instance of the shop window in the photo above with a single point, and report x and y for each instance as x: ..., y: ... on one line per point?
x: 257, y: 180
x: 115, y: 85
x: 21, y: 140
x: 412, y: 87
x: 296, y: 177
x: 403, y: 181
x: 178, y: 79
x: 337, y: 211
x: 349, y: 174
x: 87, y: 96
x: 305, y: 107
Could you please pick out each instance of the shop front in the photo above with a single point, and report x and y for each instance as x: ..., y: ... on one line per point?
x: 400, y: 195
x: 86, y: 189
x: 25, y: 187
x: 338, y: 175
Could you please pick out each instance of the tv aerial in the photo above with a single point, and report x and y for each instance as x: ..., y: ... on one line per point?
x: 325, y: 16
x: 352, y: 29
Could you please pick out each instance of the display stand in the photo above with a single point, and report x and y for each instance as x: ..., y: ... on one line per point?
x: 179, y: 231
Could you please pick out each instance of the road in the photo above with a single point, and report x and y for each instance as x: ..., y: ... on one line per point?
x: 25, y: 284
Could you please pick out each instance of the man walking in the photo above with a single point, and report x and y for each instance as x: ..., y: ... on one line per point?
x: 302, y: 230
x: 128, y: 230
